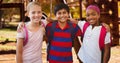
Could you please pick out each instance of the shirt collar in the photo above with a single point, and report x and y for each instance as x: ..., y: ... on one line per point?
x: 66, y: 26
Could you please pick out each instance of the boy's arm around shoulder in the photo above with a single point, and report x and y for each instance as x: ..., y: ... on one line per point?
x: 20, y: 27
x: 73, y: 20
x: 106, y: 26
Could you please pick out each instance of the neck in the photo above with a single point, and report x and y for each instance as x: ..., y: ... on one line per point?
x: 34, y: 24
x: 62, y: 24
x: 97, y: 24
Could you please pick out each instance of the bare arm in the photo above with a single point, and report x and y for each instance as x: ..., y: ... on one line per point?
x: 79, y: 38
x: 19, y: 50
x: 49, y: 20
x: 73, y: 20
x: 106, y: 55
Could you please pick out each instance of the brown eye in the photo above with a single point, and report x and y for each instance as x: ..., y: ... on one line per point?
x: 64, y: 12
x: 59, y: 13
x: 87, y: 15
x: 93, y: 14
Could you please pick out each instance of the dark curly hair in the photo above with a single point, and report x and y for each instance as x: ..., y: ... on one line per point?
x: 61, y: 6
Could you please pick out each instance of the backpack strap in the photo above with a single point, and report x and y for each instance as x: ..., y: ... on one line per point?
x: 84, y: 29
x: 50, y: 38
x: 52, y: 31
x: 101, y: 41
x: 72, y: 32
x: 26, y: 36
x: 102, y: 38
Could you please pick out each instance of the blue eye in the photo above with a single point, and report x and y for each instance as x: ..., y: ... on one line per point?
x: 33, y: 12
x: 39, y: 12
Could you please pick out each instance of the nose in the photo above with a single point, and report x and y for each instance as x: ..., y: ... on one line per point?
x: 62, y: 15
x: 36, y: 14
x: 90, y: 17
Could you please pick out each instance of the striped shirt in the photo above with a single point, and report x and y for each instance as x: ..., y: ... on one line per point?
x: 61, y: 44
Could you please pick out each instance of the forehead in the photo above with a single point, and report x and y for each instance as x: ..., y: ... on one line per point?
x: 91, y: 11
x: 62, y: 10
x: 34, y: 7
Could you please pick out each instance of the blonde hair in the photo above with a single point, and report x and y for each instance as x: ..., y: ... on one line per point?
x: 32, y: 4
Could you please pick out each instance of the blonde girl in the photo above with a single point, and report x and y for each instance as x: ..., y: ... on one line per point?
x: 31, y: 52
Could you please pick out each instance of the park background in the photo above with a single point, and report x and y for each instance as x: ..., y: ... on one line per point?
x: 13, y: 11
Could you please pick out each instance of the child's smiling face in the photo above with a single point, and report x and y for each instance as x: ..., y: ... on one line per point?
x: 62, y: 15
x: 35, y: 13
x: 92, y: 17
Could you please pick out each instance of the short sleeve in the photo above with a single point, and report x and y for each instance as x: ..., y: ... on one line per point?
x: 20, y: 35
x: 107, y: 38
x: 77, y: 31
x: 44, y: 22
x: 81, y: 24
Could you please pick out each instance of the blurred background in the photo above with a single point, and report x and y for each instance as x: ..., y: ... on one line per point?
x: 14, y: 11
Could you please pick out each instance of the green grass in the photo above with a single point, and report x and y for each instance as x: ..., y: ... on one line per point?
x: 7, y: 33
x: 6, y: 47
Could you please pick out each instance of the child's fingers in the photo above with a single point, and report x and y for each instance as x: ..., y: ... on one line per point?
x: 49, y: 19
x: 106, y: 26
x: 20, y: 27
x: 73, y: 20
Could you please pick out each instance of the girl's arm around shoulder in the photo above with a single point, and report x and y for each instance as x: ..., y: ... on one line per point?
x: 107, y: 48
x: 107, y: 53
x: 19, y: 50
x: 45, y: 39
x: 80, y: 41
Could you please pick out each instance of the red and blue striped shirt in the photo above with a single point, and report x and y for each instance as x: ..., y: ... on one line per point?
x: 61, y: 44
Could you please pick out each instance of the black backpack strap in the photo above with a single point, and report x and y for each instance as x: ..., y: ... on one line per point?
x: 71, y: 31
x: 50, y: 37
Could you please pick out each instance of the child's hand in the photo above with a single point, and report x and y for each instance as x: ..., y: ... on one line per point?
x: 106, y: 26
x: 49, y: 20
x: 20, y: 27
x: 73, y: 20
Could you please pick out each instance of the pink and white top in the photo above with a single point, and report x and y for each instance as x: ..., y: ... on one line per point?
x: 33, y: 49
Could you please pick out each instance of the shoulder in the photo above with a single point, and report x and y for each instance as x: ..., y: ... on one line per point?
x: 81, y: 24
x: 49, y: 24
x: 74, y: 25
x: 103, y: 29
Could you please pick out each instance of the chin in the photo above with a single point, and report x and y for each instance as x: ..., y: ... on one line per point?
x: 91, y: 23
x: 36, y: 21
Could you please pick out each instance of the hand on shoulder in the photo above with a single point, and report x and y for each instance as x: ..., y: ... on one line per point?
x: 20, y: 27
x: 106, y: 26
x: 73, y: 20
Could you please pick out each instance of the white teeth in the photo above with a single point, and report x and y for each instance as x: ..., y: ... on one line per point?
x: 91, y: 20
